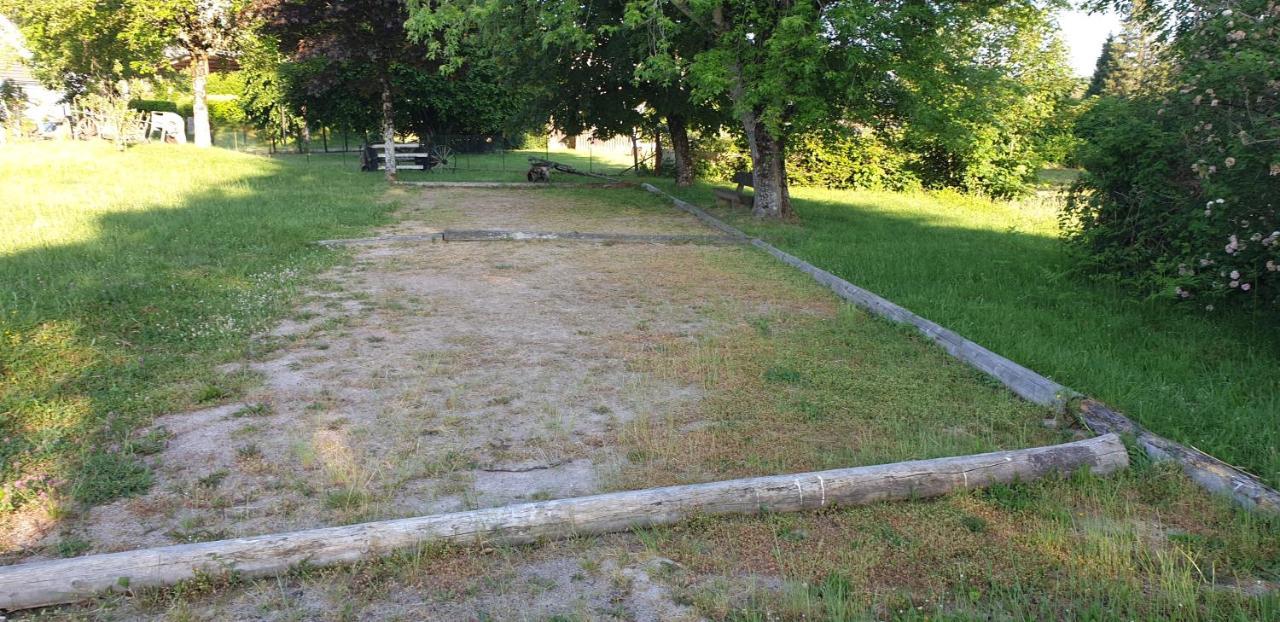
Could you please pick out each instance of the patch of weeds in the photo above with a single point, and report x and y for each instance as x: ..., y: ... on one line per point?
x: 782, y: 374
x: 148, y: 444
x: 975, y: 524
x: 375, y: 339
x: 793, y: 535
x: 890, y: 536
x: 192, y: 529
x: 1014, y: 497
x: 71, y: 546
x: 210, y: 392
x: 542, y: 495
x: 502, y: 401
x: 504, y: 266
x: 346, y: 499
x: 213, y: 480
x: 249, y: 452
x: 762, y: 325
x: 601, y: 409
x: 105, y: 476
x: 261, y: 409
x: 811, y: 411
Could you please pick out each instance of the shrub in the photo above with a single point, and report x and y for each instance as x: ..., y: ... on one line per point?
x: 717, y: 157
x: 1182, y: 195
x: 153, y: 105
x: 224, y: 111
x: 843, y: 157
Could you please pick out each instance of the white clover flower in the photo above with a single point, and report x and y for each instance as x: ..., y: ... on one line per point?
x: 1244, y: 287
x: 1221, y: 201
x: 1235, y: 274
x: 1230, y: 162
x: 1235, y: 284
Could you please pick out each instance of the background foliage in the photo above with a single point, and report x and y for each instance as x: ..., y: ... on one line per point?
x: 1182, y: 191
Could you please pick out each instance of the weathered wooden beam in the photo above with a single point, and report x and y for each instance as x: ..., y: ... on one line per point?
x: 490, y: 235
x: 500, y: 235
x: 512, y: 184
x: 1210, y: 473
x: 60, y: 581
x: 432, y: 237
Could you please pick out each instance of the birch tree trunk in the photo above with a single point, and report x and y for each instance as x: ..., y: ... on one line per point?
x: 200, y: 101
x: 680, y: 145
x: 388, y: 129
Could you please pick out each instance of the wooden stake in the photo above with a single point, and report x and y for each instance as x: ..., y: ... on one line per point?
x: 60, y: 581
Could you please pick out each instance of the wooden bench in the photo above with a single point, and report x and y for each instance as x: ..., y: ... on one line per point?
x: 408, y: 156
x: 737, y: 197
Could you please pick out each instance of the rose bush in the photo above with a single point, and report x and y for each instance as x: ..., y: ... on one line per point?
x: 1182, y: 193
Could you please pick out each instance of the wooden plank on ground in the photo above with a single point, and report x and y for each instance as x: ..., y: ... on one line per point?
x: 492, y: 235
x: 1212, y: 474
x: 38, y: 584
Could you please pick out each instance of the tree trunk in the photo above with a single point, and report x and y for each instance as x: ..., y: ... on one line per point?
x: 305, y: 132
x: 657, y: 151
x: 768, y: 169
x: 388, y: 129
x: 200, y: 102
x: 680, y: 145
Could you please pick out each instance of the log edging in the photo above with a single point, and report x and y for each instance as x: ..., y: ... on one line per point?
x: 39, y: 584
x: 506, y: 184
x: 503, y: 235
x: 1207, y: 471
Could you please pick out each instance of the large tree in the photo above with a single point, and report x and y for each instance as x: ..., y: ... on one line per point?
x: 77, y: 46
x: 587, y: 67
x: 201, y: 29
x: 91, y: 46
x: 338, y: 38
x: 793, y: 65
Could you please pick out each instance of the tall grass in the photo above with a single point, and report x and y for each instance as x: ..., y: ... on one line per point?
x: 998, y: 274
x: 124, y: 277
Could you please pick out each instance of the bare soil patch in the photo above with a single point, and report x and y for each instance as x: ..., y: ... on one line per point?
x: 436, y: 377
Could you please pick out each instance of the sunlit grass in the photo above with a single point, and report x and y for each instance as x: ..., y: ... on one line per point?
x: 124, y: 278
x: 998, y: 274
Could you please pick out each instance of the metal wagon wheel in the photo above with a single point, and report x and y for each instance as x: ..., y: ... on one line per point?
x: 442, y: 153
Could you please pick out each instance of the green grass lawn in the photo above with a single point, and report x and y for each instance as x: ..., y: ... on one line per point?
x: 124, y: 278
x: 998, y: 274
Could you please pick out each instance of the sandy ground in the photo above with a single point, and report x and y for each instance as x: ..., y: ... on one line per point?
x: 433, y: 377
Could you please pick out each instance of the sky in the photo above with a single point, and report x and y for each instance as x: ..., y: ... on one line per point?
x: 1084, y: 34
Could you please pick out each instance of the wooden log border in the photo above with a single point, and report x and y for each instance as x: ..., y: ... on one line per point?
x: 62, y: 581
x: 490, y: 235
x: 509, y: 184
x: 501, y: 235
x: 1210, y: 473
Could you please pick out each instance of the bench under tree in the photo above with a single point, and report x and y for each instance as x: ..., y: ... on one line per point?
x: 737, y: 197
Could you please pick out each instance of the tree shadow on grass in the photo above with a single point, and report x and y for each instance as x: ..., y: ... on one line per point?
x: 100, y: 335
